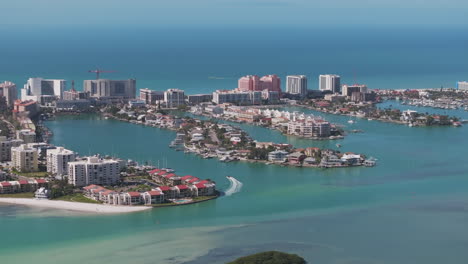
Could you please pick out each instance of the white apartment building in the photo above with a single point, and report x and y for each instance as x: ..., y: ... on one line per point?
x: 58, y: 159
x: 5, y: 147
x: 26, y: 135
x: 93, y: 170
x: 24, y: 158
x: 8, y: 90
x: 462, y: 85
x: 43, y: 90
x: 174, y: 98
x: 237, y: 97
x: 329, y: 82
x: 296, y: 84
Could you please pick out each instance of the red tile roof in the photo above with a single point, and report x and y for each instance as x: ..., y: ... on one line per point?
x: 194, y: 180
x: 154, y: 171
x: 186, y: 177
x: 204, y: 181
x: 107, y: 192
x: 41, y: 181
x: 164, y: 188
x: 134, y: 194
x: 90, y: 186
x: 200, y: 185
x: 99, y: 189
x: 182, y: 187
x: 5, y: 184
x: 23, y: 182
x: 169, y: 175
x: 162, y: 173
x: 154, y: 193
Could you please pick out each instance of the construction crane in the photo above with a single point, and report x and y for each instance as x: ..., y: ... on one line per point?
x: 98, y: 71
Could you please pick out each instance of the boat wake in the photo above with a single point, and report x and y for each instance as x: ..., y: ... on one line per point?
x: 235, y: 186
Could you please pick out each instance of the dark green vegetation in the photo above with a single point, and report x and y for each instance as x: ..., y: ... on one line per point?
x: 18, y: 195
x: 270, y: 257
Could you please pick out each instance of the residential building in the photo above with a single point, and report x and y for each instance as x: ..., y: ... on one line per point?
x: 26, y: 135
x: 111, y: 89
x: 151, y: 96
x: 329, y: 82
x: 174, y: 98
x: 199, y: 98
x: 237, y: 97
x: 348, y: 90
x: 5, y: 147
x: 8, y: 90
x: 462, y: 85
x: 309, y: 128
x: 297, y: 85
x: 271, y: 83
x: 58, y: 159
x: 93, y: 170
x: 254, y: 83
x: 29, y: 108
x: 24, y: 158
x: 42, y: 90
x: 271, y: 97
x: 335, y: 98
x: 73, y: 94
x: 278, y: 156
x: 249, y: 83
x: 136, y: 103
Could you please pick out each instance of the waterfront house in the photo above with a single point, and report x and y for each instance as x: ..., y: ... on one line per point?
x: 25, y: 186
x: 331, y: 161
x: 310, y: 161
x: 42, y: 193
x: 153, y: 197
x: 183, y: 191
x: 278, y: 156
x: 186, y: 179
x: 296, y: 157
x: 132, y: 198
x: 106, y: 195
x: 351, y: 158
x: 6, y: 187
x: 205, y: 189
x: 169, y: 192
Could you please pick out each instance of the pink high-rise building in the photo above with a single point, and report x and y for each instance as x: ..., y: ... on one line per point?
x: 254, y: 83
x: 271, y: 83
x: 249, y: 83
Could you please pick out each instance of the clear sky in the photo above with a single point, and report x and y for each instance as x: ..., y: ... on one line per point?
x: 234, y: 12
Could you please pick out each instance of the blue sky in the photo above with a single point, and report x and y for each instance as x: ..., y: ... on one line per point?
x: 234, y: 12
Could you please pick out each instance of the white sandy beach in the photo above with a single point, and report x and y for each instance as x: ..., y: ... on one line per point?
x: 75, y: 206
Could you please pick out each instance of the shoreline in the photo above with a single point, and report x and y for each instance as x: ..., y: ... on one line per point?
x: 75, y: 206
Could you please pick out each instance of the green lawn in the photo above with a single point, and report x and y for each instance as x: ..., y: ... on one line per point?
x: 18, y: 195
x: 40, y: 174
x: 77, y: 197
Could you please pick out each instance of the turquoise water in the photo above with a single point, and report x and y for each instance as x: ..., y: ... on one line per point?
x: 411, y: 208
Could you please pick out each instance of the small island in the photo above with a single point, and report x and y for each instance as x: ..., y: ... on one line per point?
x: 270, y: 257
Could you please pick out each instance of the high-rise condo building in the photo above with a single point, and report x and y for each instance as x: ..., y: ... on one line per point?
x: 93, y: 170
x: 8, y: 90
x: 254, y: 83
x: 58, y: 159
x: 297, y: 85
x: 5, y: 147
x: 151, y: 96
x: 43, y: 90
x: 249, y: 83
x: 111, y: 89
x: 174, y: 98
x: 348, y: 90
x: 462, y: 85
x: 329, y: 82
x: 24, y: 158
